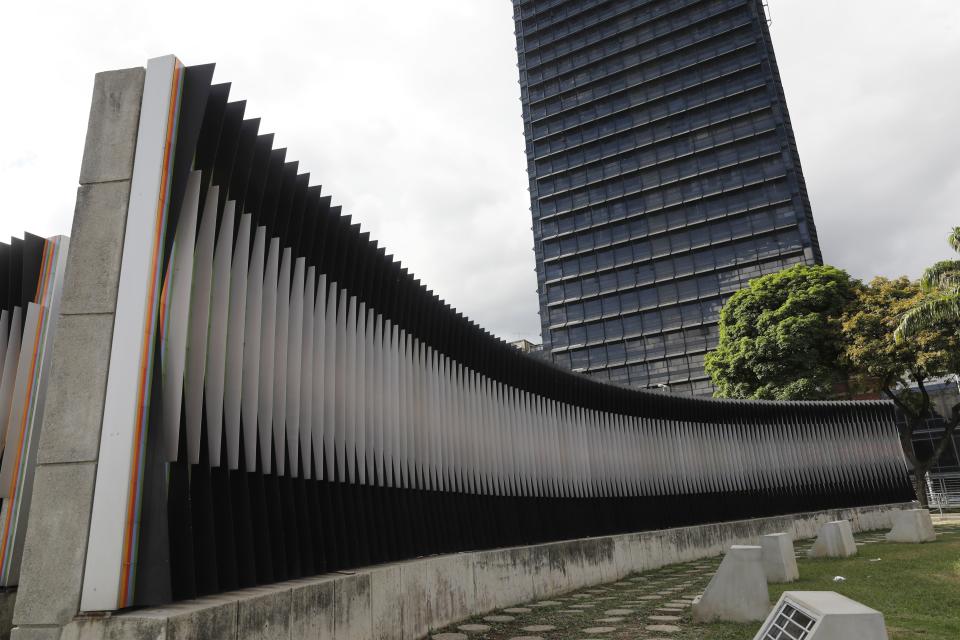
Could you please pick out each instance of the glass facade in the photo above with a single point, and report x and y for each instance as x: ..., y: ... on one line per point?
x: 664, y: 175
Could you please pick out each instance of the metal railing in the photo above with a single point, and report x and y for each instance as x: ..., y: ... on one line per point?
x: 943, y: 491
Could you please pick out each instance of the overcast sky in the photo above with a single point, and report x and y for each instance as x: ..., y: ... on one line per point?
x: 408, y: 114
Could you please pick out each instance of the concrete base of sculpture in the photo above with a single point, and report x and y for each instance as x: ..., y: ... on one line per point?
x: 835, y: 540
x: 913, y: 525
x: 8, y: 598
x: 738, y: 591
x: 823, y: 615
x: 779, y: 559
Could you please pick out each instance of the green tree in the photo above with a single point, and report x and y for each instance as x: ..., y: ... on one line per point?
x: 942, y: 284
x: 780, y: 337
x: 881, y: 363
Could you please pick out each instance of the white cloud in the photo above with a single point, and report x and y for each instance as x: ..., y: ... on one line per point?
x: 408, y: 114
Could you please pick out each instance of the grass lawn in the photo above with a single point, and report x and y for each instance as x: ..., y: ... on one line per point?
x: 917, y: 587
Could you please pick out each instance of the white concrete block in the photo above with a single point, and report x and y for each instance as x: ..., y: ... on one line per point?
x: 835, y: 540
x: 779, y: 560
x: 738, y: 591
x: 912, y: 525
x: 823, y: 615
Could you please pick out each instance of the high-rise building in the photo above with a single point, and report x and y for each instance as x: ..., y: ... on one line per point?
x: 664, y: 175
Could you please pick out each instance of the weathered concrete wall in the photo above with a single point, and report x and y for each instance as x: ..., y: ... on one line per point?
x: 405, y: 601
x: 56, y: 543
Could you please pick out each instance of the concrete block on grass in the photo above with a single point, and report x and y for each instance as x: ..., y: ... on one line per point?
x: 912, y: 525
x: 779, y: 558
x: 738, y: 591
x: 835, y: 540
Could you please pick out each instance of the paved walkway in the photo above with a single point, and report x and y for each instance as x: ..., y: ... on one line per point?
x: 654, y: 605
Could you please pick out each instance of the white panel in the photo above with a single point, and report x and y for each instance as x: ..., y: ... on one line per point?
x: 341, y: 380
x: 349, y: 448
x: 233, y: 381
x: 10, y: 362
x: 4, y: 336
x: 372, y: 395
x: 268, y: 337
x: 320, y: 398
x: 280, y: 360
x: 177, y: 315
x: 14, y: 425
x: 306, y: 372
x: 391, y: 412
x: 215, y: 379
x: 378, y: 398
x: 333, y: 344
x: 405, y: 375
x: 197, y: 337
x: 295, y: 348
x: 360, y: 394
x: 252, y: 332
x: 19, y: 484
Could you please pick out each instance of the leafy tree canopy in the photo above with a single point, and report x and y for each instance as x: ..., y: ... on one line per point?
x: 780, y: 338
x: 880, y: 362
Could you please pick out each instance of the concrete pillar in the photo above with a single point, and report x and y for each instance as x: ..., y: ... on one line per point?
x: 738, y: 591
x: 835, y: 540
x: 56, y: 542
x: 912, y: 525
x: 779, y: 560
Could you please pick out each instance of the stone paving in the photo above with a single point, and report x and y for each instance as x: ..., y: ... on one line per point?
x: 650, y: 605
x: 654, y: 605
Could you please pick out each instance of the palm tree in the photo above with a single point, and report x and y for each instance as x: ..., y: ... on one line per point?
x: 942, y: 283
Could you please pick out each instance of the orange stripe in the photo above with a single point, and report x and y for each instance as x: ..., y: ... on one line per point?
x: 45, y: 271
x: 48, y: 256
x: 125, y: 562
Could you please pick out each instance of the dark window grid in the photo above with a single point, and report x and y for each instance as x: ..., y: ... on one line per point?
x: 669, y: 96
x: 560, y: 30
x: 758, y: 120
x: 550, y: 13
x: 672, y: 191
x: 677, y: 104
x: 751, y: 91
x: 559, y: 42
x: 634, y: 329
x: 671, y: 263
x: 532, y: 8
x: 587, y: 13
x: 680, y: 30
x: 540, y: 54
x: 673, y: 81
x: 568, y: 314
x: 748, y: 220
x: 555, y: 270
x: 683, y: 258
x: 643, y: 343
x: 647, y: 71
x: 682, y: 368
x: 641, y: 65
x: 671, y: 343
x: 768, y: 142
x: 734, y: 173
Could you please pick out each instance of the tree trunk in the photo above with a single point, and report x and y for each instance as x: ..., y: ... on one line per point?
x: 920, y: 484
